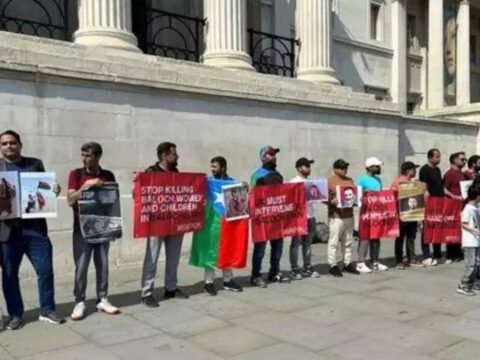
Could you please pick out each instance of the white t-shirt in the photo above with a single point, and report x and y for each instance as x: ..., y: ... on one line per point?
x: 471, y: 216
x: 298, y: 179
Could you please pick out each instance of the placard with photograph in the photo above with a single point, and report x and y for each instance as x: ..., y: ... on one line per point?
x: 316, y: 190
x: 37, y: 196
x: 9, y: 195
x: 235, y: 198
x: 411, y: 201
x: 349, y: 196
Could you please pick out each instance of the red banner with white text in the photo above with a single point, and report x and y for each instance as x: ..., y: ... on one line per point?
x: 277, y: 211
x: 443, y: 224
x: 379, y: 215
x: 169, y: 203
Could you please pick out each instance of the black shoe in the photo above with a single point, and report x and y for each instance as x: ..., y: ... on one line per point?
x: 177, y: 293
x: 150, y: 301
x: 278, y: 278
x: 296, y: 275
x: 52, y: 318
x: 14, y: 323
x: 352, y: 269
x: 258, y: 282
x: 335, y: 271
x: 209, y: 288
x: 232, y: 286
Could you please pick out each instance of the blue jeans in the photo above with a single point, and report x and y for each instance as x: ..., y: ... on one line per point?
x: 38, y: 249
x: 276, y: 248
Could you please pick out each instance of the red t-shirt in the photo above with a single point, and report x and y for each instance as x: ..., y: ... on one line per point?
x: 452, y: 180
x: 78, y: 177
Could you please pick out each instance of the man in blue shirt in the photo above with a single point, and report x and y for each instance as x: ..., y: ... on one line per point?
x: 25, y: 237
x: 370, y: 182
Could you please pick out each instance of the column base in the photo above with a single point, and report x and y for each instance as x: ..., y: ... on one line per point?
x: 228, y: 60
x: 319, y: 76
x: 108, y: 38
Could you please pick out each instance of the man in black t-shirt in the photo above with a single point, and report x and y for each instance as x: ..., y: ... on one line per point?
x: 431, y: 175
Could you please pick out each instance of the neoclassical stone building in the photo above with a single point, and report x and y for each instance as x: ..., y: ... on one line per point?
x: 318, y: 78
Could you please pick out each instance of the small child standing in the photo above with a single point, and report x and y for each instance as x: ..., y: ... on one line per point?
x: 470, y: 243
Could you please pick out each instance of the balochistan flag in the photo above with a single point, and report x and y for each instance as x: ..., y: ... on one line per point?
x: 221, y: 243
x: 44, y: 185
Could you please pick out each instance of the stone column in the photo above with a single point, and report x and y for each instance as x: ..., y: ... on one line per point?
x: 399, y: 62
x: 106, y: 23
x: 226, y: 34
x: 435, y: 95
x: 463, y: 53
x: 313, y: 18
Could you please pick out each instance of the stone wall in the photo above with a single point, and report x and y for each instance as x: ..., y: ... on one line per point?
x: 55, y: 120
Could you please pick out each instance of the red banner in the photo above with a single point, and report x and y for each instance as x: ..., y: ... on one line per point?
x: 277, y: 211
x: 379, y: 215
x: 443, y: 224
x: 169, y: 203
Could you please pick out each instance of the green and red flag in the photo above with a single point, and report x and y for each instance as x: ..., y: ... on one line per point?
x: 221, y: 243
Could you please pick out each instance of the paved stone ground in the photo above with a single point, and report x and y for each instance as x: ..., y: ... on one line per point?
x: 412, y: 314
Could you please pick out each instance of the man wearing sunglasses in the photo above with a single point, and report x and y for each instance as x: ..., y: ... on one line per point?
x: 341, y: 222
x: 451, y: 180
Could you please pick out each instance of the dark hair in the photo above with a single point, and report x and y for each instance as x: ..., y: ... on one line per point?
x: 473, y: 191
x: 94, y: 147
x: 164, y: 148
x: 12, y: 133
x: 220, y: 160
x: 432, y: 152
x: 472, y: 160
x: 455, y: 156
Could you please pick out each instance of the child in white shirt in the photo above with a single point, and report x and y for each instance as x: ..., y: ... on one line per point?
x: 470, y: 282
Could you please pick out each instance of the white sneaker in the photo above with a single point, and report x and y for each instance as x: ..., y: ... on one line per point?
x: 363, y: 268
x: 428, y: 262
x: 448, y: 261
x: 78, y: 312
x: 106, y: 307
x: 379, y: 266
x: 434, y: 262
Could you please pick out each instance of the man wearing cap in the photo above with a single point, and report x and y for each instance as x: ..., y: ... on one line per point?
x: 370, y: 182
x: 267, y: 175
x: 341, y: 222
x: 303, y: 166
x: 408, y: 230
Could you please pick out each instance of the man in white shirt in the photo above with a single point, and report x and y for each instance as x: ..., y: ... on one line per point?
x: 303, y: 166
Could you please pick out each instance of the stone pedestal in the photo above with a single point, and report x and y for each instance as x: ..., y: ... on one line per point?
x: 106, y: 23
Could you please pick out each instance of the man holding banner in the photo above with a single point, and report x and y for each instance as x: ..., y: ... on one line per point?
x: 80, y: 180
x: 341, y: 222
x: 303, y: 166
x: 408, y: 230
x: 25, y: 236
x: 267, y: 175
x: 452, y: 179
x: 431, y: 175
x: 370, y: 182
x: 167, y: 162
x: 219, y: 234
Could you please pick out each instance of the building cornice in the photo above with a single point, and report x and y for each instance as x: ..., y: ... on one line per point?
x: 43, y: 60
x: 368, y: 46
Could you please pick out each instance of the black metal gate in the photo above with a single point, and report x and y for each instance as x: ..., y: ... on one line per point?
x: 43, y: 18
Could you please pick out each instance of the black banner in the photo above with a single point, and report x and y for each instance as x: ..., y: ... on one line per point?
x: 100, y: 213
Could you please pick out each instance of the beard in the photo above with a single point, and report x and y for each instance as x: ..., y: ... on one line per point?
x: 272, y: 165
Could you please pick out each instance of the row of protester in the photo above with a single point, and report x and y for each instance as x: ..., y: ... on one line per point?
x: 219, y: 210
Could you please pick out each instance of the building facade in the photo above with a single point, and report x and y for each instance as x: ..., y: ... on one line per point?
x: 325, y: 79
